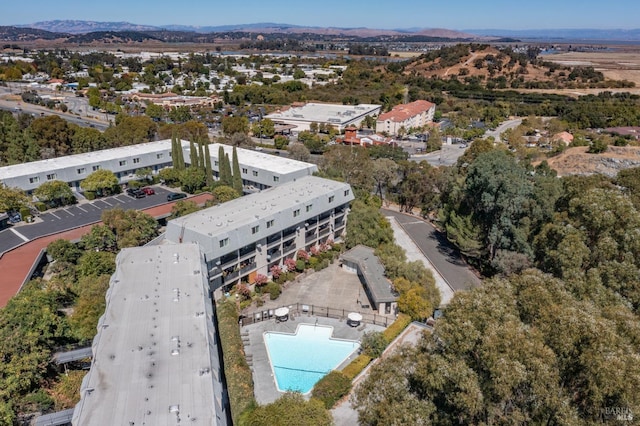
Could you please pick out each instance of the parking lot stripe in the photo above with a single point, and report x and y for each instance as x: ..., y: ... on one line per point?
x: 67, y: 211
x: 106, y: 202
x: 82, y: 209
x: 54, y: 215
x: 19, y: 235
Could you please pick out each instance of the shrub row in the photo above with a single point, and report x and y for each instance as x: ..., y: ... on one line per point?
x: 356, y: 366
x: 236, y: 370
x: 394, y: 330
x: 331, y: 388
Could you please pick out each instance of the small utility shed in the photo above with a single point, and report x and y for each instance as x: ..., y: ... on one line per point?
x: 361, y: 260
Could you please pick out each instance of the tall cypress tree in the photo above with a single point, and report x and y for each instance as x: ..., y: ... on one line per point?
x: 237, y: 178
x: 221, y: 168
x: 179, y: 160
x: 207, y: 166
x: 227, y: 170
x: 201, y: 155
x: 193, y: 154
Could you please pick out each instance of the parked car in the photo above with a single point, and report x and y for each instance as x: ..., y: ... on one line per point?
x: 136, y: 193
x: 148, y: 190
x: 176, y: 196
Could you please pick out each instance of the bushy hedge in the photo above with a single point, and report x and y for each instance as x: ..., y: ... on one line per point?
x: 394, y: 330
x: 273, y: 289
x: 236, y: 369
x: 356, y: 366
x: 41, y: 206
x: 331, y: 388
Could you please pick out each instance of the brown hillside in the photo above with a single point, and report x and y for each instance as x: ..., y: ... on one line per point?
x: 576, y: 161
x: 501, y: 69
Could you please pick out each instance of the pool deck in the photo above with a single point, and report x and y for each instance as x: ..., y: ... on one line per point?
x: 256, y: 352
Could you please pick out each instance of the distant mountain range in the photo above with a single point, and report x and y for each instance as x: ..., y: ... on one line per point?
x: 69, y: 28
x: 585, y: 34
x: 84, y: 27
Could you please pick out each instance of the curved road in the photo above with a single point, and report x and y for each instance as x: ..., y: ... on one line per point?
x: 442, y: 255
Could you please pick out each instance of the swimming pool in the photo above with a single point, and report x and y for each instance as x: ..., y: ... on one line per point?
x: 299, y: 360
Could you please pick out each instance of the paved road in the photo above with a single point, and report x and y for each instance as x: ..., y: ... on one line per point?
x: 446, y: 156
x: 509, y: 124
x: 71, y: 217
x: 443, y: 256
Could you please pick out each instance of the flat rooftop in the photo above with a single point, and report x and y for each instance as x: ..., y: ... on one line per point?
x: 245, y: 210
x: 83, y: 159
x: 262, y: 160
x: 325, y: 113
x: 372, y: 271
x: 154, y: 360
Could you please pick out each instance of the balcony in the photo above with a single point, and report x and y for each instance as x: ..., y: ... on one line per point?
x: 274, y: 255
x: 248, y: 268
x: 230, y: 276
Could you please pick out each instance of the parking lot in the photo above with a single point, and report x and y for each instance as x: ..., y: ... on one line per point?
x: 82, y: 213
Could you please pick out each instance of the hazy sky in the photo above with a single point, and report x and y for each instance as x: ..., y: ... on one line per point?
x: 451, y: 14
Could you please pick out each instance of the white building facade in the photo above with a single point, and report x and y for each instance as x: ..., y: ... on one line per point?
x: 336, y: 115
x: 249, y: 235
x: 413, y: 115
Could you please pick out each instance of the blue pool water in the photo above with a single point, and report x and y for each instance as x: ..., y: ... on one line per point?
x: 300, y: 360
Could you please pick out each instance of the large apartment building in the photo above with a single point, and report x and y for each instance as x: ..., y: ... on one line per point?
x: 249, y: 235
x: 259, y: 170
x: 73, y: 169
x: 155, y: 356
x: 413, y: 115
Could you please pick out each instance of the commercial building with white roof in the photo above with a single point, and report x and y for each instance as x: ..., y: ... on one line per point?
x: 155, y: 356
x: 249, y: 235
x: 336, y: 115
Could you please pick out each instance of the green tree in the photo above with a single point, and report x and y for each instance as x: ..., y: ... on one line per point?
x: 291, y: 409
x: 183, y: 208
x: 89, y: 306
x: 153, y: 111
x: 54, y: 193
x: 101, y: 238
x: 299, y: 152
x: 12, y: 199
x: 224, y: 172
x: 132, y: 227
x: 224, y: 193
x: 95, y: 263
x: 237, y: 177
x: 233, y: 124
x: 192, y: 179
x: 102, y: 182
x: 64, y: 251
x: 87, y: 139
x: 208, y: 169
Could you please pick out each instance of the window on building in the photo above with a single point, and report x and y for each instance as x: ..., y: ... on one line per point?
x: 255, y: 229
x: 224, y: 242
x: 331, y: 198
x: 136, y: 160
x: 255, y: 173
x: 244, y: 170
x: 346, y: 192
x: 123, y: 163
x: 159, y: 156
x: 215, y: 163
x: 296, y: 213
x: 34, y: 179
x: 270, y: 223
x: 51, y: 176
x: 276, y: 178
x: 309, y: 207
x: 96, y: 168
x: 81, y: 171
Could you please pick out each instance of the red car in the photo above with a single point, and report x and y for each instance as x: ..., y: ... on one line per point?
x: 149, y: 191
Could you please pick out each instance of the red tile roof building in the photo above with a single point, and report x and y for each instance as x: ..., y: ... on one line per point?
x: 410, y: 116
